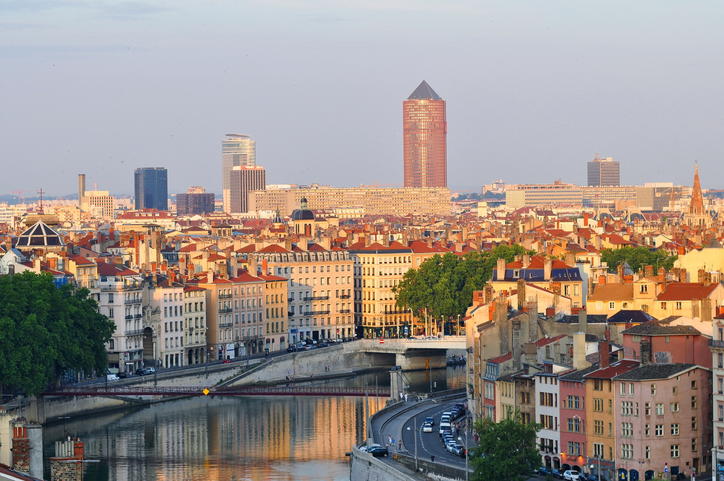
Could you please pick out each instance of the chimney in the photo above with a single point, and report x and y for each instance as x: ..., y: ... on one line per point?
x: 516, y: 349
x: 585, y: 219
x: 500, y: 270
x: 532, y: 308
x: 209, y: 276
x: 649, y: 271
x: 478, y: 298
x: 489, y: 293
x: 265, y: 266
x: 550, y: 312
x: 602, y: 280
x: 579, y: 351
x: 582, y: 320
x: 526, y: 261
x: 521, y: 294
x: 547, y: 269
x: 603, y: 354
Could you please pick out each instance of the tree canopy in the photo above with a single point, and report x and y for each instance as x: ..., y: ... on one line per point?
x: 443, y: 285
x: 506, y: 450
x: 46, y: 330
x: 637, y: 258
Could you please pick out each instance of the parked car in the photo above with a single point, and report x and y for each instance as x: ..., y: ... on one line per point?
x: 112, y: 377
x: 144, y: 371
x: 377, y: 450
x: 571, y: 475
x: 124, y: 374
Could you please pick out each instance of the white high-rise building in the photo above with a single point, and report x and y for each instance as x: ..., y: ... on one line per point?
x: 236, y: 150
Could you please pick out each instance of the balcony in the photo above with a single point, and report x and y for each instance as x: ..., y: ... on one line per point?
x: 132, y: 301
x: 316, y: 298
x: 224, y: 325
x: 316, y: 313
x: 138, y: 316
x: 345, y: 296
x: 134, y: 332
x: 716, y: 344
x: 224, y: 296
x: 129, y: 317
x: 344, y: 311
x: 225, y: 310
x: 396, y: 312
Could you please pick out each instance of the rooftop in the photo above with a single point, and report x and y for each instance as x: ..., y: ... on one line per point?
x: 424, y: 92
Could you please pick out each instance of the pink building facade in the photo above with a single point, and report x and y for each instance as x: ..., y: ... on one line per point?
x: 663, y: 414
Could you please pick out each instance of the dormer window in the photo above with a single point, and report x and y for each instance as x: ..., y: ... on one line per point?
x: 516, y: 274
x: 644, y: 288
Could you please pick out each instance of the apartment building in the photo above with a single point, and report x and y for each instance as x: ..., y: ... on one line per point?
x: 276, y: 312
x: 120, y: 298
x: 248, y: 314
x: 169, y: 335
x: 219, y: 317
x: 378, y: 270
x: 660, y: 414
x: 547, y: 396
x: 194, y: 341
x: 320, y: 289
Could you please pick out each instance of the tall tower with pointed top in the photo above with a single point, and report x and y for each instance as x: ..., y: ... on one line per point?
x: 697, y: 199
x: 424, y: 128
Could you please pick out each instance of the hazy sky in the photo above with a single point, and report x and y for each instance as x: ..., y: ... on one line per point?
x: 534, y: 88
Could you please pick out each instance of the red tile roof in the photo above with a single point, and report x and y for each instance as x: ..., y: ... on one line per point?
x: 420, y: 247
x: 548, y: 340
x: 245, y: 277
x: 613, y: 370
x: 685, y: 291
x: 268, y: 277
x: 273, y: 249
x: 500, y: 359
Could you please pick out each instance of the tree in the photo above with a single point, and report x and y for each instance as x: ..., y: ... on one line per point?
x: 46, y: 331
x: 506, y: 450
x: 442, y: 287
x: 637, y: 258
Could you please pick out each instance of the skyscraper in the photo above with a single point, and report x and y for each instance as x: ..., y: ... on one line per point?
x: 236, y: 150
x: 602, y: 172
x: 244, y: 179
x: 151, y: 188
x: 424, y: 138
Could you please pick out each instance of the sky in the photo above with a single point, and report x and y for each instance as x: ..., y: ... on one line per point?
x: 534, y: 89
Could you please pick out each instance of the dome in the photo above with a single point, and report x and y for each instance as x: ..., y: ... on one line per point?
x: 303, y: 213
x: 39, y: 236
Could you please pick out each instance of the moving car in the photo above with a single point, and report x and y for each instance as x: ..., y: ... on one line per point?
x: 426, y: 427
x: 430, y: 420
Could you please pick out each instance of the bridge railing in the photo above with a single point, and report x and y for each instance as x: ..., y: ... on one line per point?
x: 221, y: 391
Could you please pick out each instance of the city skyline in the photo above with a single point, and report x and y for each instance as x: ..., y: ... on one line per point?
x: 541, y: 90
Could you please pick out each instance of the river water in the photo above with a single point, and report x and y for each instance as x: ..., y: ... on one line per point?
x: 235, y: 439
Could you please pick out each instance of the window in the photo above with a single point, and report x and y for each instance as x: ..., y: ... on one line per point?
x: 659, y: 409
x: 647, y: 430
x: 674, y: 450
x: 647, y: 409
x: 626, y: 430
x: 693, y: 402
x: 647, y: 452
x: 675, y: 429
x: 678, y: 305
x: 627, y: 408
x: 598, y: 427
x: 644, y: 288
x: 693, y: 384
x: 611, y: 305
x: 659, y: 430
x: 574, y: 449
x: 627, y: 451
x: 693, y: 423
x: 598, y: 404
x: 574, y: 425
x: 598, y: 450
x: 598, y: 384
x: 674, y: 407
x: 693, y: 444
x: 663, y: 305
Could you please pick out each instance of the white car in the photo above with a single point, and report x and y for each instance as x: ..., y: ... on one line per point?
x: 427, y: 428
x: 571, y: 475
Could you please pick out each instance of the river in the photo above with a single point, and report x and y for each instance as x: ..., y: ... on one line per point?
x: 234, y: 439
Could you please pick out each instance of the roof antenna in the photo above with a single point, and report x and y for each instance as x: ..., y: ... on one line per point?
x: 41, y: 192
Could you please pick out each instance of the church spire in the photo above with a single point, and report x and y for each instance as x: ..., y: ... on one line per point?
x: 697, y: 200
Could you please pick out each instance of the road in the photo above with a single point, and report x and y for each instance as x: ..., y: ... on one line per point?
x: 430, y: 444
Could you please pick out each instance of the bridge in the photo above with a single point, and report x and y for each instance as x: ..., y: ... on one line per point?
x: 293, y: 390
x: 411, y: 354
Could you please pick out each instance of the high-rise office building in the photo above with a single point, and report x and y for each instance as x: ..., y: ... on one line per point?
x: 604, y: 171
x: 196, y: 201
x: 151, y: 188
x: 244, y: 179
x: 236, y: 150
x: 424, y: 138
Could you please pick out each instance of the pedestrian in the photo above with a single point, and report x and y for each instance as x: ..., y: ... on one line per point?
x: 399, y: 445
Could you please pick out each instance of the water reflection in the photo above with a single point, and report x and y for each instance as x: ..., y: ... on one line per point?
x: 251, y: 438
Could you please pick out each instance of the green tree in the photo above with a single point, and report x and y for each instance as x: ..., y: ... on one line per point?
x: 47, y: 330
x: 637, y: 258
x: 505, y: 451
x: 442, y: 287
